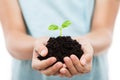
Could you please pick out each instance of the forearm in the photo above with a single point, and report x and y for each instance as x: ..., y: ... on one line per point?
x: 102, y: 25
x: 100, y: 40
x: 20, y: 45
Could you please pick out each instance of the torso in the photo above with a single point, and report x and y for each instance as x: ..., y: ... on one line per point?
x: 39, y: 14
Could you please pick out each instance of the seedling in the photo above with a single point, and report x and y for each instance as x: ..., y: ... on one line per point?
x: 65, y: 24
x: 62, y: 46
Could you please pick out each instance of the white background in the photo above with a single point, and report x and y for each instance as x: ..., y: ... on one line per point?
x: 114, y: 56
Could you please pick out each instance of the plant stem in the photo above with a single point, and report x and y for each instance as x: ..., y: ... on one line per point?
x: 60, y: 31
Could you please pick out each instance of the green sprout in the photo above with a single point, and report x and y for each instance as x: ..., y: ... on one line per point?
x: 56, y: 27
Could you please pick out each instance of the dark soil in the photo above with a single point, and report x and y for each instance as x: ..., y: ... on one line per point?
x: 61, y: 47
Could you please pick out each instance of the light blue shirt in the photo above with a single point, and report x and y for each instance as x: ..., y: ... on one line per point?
x: 39, y: 14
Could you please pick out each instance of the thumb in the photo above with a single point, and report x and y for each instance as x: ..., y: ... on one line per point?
x: 41, y: 50
x: 86, y: 59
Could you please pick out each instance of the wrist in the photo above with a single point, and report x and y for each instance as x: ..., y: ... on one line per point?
x: 41, y: 40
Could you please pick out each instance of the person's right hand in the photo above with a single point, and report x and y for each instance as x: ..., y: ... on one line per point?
x: 44, y: 66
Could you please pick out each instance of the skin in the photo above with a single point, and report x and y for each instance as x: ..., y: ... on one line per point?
x: 92, y: 44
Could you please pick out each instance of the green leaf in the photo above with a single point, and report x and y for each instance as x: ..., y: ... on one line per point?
x: 53, y: 27
x: 66, y: 24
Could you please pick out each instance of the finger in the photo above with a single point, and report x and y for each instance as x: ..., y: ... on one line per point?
x: 86, y: 59
x: 53, y: 69
x: 65, y: 72
x: 82, y: 69
x: 88, y: 68
x: 40, y: 65
x: 58, y: 73
x: 70, y: 66
x: 88, y: 53
x: 35, y: 54
x: 88, y: 65
x: 86, y: 47
x: 83, y: 60
x: 64, y: 66
x: 41, y: 49
x: 77, y: 64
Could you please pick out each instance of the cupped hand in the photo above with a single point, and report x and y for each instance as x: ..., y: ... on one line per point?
x: 75, y: 66
x: 48, y: 66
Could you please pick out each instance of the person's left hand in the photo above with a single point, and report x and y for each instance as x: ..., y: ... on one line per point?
x: 74, y: 66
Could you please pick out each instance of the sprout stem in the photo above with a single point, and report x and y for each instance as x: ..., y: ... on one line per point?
x: 60, y: 31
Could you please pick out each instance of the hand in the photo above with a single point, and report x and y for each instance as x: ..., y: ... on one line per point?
x: 44, y: 66
x: 74, y: 66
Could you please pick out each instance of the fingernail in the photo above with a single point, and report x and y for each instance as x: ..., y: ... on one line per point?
x: 63, y: 71
x: 53, y: 59
x: 43, y: 52
x: 83, y: 61
x: 59, y: 64
x: 66, y: 59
